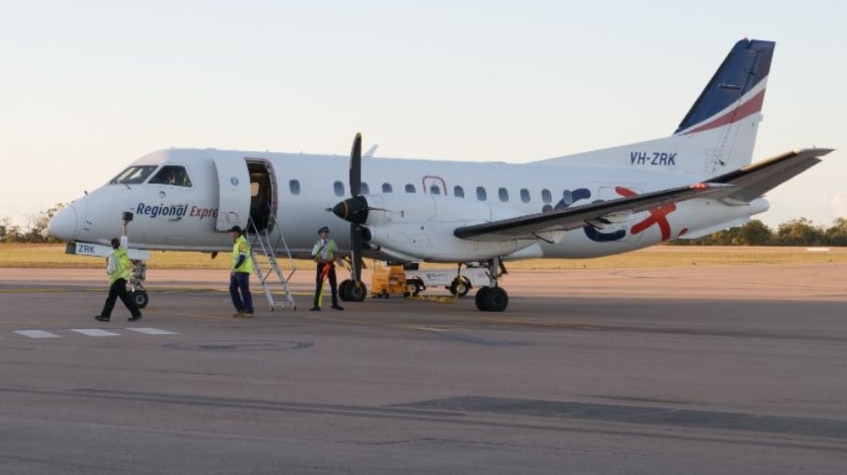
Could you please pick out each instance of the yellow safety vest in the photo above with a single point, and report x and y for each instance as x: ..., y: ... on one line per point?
x: 121, y: 261
x: 241, y: 246
x: 317, y: 251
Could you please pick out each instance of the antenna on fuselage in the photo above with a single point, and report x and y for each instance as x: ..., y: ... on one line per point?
x: 371, y: 151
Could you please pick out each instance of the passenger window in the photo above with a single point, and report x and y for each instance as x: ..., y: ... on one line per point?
x: 294, y: 187
x: 386, y: 188
x: 503, y: 194
x: 481, y: 194
x: 365, y: 189
x: 434, y: 190
x: 546, y: 196
x: 133, y: 175
x: 171, y: 175
x: 339, y: 188
x: 410, y: 188
x: 458, y: 191
x: 524, y: 195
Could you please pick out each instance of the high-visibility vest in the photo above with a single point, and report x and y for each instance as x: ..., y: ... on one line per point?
x: 241, y: 246
x: 318, y: 251
x: 121, y: 263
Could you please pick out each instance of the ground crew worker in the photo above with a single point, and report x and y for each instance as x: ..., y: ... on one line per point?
x: 239, y: 275
x: 324, y: 254
x: 118, y: 268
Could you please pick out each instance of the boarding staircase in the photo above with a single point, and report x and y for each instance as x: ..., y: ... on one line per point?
x: 266, y: 265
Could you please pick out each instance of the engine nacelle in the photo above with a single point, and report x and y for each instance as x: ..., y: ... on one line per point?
x: 421, y: 226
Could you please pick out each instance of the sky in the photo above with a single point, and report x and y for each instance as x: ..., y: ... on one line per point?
x: 88, y: 86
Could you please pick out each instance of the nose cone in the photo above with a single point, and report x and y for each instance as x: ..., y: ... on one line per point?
x: 354, y: 210
x: 63, y: 225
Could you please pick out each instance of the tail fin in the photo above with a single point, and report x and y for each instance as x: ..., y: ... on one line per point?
x: 724, y: 120
x: 727, y: 97
x: 717, y: 134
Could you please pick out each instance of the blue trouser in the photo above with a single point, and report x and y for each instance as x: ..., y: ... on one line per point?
x: 239, y: 290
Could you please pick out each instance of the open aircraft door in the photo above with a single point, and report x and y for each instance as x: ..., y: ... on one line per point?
x: 233, y: 192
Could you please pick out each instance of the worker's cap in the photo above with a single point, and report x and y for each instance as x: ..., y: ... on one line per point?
x: 323, y: 230
x: 235, y: 229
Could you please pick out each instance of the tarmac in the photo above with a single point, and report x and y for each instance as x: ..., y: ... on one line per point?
x: 696, y: 370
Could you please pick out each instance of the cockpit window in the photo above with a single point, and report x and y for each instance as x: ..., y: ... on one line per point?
x: 133, y: 175
x: 171, y: 175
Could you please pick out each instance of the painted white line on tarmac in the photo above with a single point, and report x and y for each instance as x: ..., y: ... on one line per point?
x: 94, y: 332
x: 37, y: 334
x: 153, y: 331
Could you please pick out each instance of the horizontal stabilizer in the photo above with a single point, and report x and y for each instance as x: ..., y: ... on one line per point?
x: 754, y: 180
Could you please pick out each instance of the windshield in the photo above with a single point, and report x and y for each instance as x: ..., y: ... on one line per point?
x: 171, y: 175
x: 133, y: 175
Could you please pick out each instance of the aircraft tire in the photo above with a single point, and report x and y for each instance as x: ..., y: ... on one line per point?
x: 357, y: 292
x: 344, y: 290
x: 140, y: 298
x: 480, y: 298
x: 496, y: 299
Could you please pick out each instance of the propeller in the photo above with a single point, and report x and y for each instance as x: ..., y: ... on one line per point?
x: 356, y: 202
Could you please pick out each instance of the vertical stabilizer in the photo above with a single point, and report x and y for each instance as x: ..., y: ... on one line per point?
x: 727, y: 97
x: 724, y: 120
x: 717, y: 134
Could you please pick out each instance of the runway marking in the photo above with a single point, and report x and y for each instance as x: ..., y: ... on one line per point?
x: 94, y: 332
x: 37, y: 334
x: 153, y: 331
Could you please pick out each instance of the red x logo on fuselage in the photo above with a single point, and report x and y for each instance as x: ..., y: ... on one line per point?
x: 658, y: 215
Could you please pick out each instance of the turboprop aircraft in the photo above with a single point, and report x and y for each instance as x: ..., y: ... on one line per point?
x: 694, y: 182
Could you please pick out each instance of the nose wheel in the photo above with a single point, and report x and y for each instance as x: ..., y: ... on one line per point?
x: 140, y: 298
x: 136, y: 287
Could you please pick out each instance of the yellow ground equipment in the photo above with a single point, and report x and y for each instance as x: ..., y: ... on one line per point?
x: 388, y: 280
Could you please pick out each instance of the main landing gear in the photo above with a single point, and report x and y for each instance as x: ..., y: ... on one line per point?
x: 492, y: 298
x: 352, y: 291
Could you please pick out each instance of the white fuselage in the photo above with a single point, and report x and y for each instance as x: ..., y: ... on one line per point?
x: 437, y: 196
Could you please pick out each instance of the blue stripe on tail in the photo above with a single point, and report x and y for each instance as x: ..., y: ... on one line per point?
x: 745, y: 66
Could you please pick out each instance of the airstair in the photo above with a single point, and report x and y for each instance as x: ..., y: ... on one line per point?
x: 266, y: 265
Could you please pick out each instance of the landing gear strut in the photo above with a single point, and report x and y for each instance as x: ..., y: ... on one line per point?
x: 492, y: 298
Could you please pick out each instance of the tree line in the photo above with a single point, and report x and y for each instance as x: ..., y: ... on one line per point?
x: 796, y: 232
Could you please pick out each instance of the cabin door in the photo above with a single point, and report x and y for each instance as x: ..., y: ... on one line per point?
x: 233, y: 191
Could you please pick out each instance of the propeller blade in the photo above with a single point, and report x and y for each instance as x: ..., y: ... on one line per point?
x: 356, y: 246
x: 356, y: 166
x: 353, y: 211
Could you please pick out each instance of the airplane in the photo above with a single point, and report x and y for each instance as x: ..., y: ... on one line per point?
x: 696, y: 181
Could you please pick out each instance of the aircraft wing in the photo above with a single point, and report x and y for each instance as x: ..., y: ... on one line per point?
x: 533, y: 226
x: 756, y: 179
